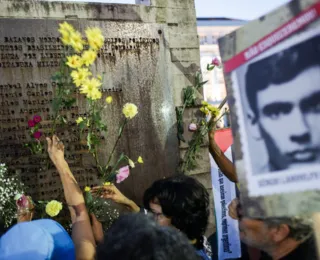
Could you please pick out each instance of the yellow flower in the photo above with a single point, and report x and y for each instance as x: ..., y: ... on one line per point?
x: 95, y: 38
x: 74, y: 61
x: 214, y: 110
x: 89, y: 85
x: 65, y: 37
x: 99, y: 77
x: 88, y: 57
x: 87, y: 189
x: 91, y: 88
x: 76, y: 41
x: 65, y: 27
x: 79, y: 120
x: 94, y: 94
x: 53, y: 208
x: 107, y: 183
x: 80, y: 75
x: 71, y: 37
x: 140, y: 160
x: 130, y: 110
x: 109, y: 100
x: 204, y: 110
x: 131, y: 163
x: 204, y: 103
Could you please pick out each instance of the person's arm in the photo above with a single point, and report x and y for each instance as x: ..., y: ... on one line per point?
x: 112, y: 192
x: 224, y: 164
x: 97, y: 229
x: 82, y: 235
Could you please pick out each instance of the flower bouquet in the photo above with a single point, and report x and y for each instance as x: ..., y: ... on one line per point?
x: 76, y: 73
x: 35, y: 145
x: 10, y: 186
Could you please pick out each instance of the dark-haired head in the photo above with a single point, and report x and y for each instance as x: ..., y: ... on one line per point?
x: 183, y: 202
x: 137, y: 236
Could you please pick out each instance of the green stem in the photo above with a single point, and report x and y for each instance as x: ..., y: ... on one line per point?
x: 114, y: 167
x: 95, y: 149
x: 116, y: 143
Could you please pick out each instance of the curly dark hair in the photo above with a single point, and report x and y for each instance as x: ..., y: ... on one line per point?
x: 185, y: 201
x: 137, y: 236
x: 281, y: 67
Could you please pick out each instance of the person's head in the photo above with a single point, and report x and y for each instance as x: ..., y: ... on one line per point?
x: 182, y: 202
x: 37, y: 240
x: 284, y: 97
x: 137, y: 236
x: 269, y: 234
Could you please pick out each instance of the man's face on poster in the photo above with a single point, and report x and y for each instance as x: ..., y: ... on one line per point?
x: 289, y: 120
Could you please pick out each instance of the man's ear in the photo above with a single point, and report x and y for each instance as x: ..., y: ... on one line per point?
x: 280, y: 233
x: 253, y: 126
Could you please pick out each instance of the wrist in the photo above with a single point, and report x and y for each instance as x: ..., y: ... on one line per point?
x: 59, y: 162
x: 133, y: 206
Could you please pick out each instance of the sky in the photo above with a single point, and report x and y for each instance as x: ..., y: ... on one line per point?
x: 238, y: 9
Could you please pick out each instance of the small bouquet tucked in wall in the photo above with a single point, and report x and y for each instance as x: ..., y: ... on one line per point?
x: 35, y: 145
x: 10, y: 186
x: 207, y: 120
x: 14, y: 205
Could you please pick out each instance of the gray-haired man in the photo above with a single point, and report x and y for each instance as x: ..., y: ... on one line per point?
x: 279, y: 238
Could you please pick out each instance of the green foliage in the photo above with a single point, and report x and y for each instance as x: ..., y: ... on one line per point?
x: 190, y: 94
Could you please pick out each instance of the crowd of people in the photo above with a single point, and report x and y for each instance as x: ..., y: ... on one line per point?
x: 170, y: 225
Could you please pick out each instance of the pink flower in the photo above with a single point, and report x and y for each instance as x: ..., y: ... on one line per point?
x: 37, y: 119
x: 31, y: 123
x: 37, y: 135
x: 23, y: 202
x: 193, y: 127
x: 123, y: 174
x: 216, y: 62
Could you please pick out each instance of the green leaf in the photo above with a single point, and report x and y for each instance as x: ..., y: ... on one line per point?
x: 69, y: 102
x: 82, y: 125
x: 89, y: 140
x: 56, y: 76
x: 88, y: 198
x: 56, y: 104
x: 63, y: 120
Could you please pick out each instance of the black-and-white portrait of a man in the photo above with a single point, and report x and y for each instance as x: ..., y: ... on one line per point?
x: 282, y: 93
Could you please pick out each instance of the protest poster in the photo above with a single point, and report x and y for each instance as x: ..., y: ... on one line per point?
x: 272, y: 71
x: 224, y: 191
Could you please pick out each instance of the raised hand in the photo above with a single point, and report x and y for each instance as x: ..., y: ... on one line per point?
x: 55, y: 149
x: 233, y: 209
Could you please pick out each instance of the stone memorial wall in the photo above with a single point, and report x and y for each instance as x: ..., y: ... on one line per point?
x: 150, y: 54
x: 31, y: 53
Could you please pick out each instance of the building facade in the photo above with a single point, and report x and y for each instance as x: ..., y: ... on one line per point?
x: 209, y: 31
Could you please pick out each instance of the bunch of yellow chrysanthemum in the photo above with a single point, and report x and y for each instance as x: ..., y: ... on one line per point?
x: 209, y: 109
x: 53, y: 208
x: 81, y: 75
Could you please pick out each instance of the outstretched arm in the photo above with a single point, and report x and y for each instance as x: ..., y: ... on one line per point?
x: 82, y: 235
x: 112, y: 192
x: 224, y: 164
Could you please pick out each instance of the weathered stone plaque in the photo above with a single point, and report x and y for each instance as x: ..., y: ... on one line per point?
x: 133, y: 59
x: 277, y: 147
